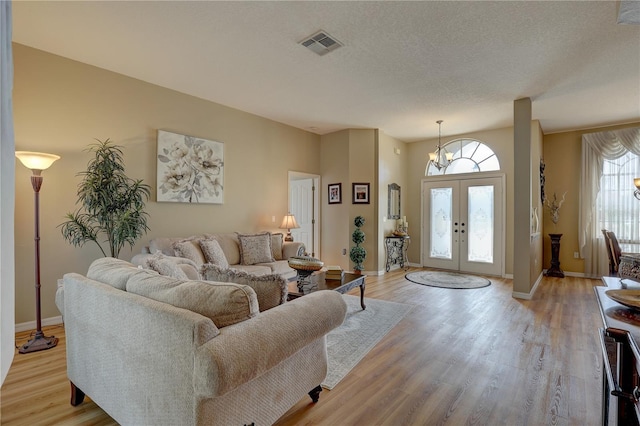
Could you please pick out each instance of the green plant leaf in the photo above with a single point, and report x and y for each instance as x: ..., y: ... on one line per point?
x: 111, y: 204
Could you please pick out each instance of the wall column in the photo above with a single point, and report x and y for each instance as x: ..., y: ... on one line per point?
x: 522, y: 195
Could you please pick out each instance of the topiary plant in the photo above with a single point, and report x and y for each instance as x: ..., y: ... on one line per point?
x: 358, y: 254
x: 110, y: 203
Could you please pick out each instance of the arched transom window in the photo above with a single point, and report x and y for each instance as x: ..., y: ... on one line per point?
x: 469, y: 156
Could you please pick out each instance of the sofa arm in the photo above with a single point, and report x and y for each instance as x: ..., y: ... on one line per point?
x: 293, y: 248
x: 246, y: 350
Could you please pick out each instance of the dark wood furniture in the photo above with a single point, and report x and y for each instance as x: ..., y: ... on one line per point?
x: 318, y: 282
x: 554, y: 270
x: 397, y: 247
x: 621, y: 356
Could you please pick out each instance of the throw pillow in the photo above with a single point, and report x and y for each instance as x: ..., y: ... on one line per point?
x: 159, y: 263
x: 213, y: 252
x: 276, y: 245
x: 189, y: 249
x: 271, y: 289
x: 255, y: 248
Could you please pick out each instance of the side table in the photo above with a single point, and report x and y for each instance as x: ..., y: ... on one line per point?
x: 397, y: 246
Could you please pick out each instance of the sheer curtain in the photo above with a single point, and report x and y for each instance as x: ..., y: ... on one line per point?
x: 596, y: 148
x: 7, y: 188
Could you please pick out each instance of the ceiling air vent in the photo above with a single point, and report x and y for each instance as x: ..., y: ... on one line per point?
x: 321, y: 43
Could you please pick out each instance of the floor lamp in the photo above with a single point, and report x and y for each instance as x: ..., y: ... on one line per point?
x: 37, y: 162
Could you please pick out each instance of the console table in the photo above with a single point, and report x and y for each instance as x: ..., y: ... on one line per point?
x: 397, y: 247
x: 618, y: 337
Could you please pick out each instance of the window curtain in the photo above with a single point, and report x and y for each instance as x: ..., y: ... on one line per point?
x: 7, y: 188
x: 597, y: 147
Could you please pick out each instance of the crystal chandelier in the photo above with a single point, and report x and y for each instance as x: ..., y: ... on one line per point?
x: 441, y: 158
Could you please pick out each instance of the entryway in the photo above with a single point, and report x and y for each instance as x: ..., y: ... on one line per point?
x: 463, y: 224
x: 304, y: 204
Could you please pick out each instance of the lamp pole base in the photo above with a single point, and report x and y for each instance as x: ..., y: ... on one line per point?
x: 39, y: 343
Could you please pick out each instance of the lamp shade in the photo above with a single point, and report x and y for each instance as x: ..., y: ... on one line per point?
x: 289, y: 222
x: 36, y: 160
x: 636, y: 182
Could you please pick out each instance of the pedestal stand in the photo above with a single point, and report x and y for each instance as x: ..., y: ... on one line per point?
x: 554, y: 270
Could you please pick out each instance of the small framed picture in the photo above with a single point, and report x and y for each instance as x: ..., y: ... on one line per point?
x: 335, y: 193
x: 360, y: 193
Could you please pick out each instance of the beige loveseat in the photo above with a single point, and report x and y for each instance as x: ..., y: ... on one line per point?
x: 244, y: 252
x: 153, y: 350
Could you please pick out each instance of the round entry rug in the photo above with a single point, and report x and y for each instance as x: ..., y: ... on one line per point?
x: 446, y: 279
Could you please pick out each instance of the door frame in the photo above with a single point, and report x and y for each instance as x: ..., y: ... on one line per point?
x: 292, y: 176
x: 466, y: 177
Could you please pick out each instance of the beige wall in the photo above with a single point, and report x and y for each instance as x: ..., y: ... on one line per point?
x: 536, y: 254
x: 60, y: 106
x: 335, y: 223
x: 392, y: 169
x: 563, y: 159
x: 500, y: 141
x: 348, y: 157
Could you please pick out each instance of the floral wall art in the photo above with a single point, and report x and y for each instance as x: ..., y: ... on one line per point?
x: 190, y: 169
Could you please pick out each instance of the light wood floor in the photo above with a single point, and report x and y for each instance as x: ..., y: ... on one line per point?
x: 474, y: 357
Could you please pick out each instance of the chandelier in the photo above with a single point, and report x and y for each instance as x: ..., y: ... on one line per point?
x: 441, y: 158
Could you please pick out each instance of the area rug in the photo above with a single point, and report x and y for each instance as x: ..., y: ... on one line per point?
x: 360, y: 332
x: 446, y: 279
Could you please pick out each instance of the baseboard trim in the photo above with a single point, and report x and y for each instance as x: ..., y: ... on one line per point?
x: 529, y: 295
x: 31, y: 325
x: 570, y: 274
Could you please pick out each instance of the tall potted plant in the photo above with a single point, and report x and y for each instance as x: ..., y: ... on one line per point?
x: 111, y: 204
x: 358, y: 253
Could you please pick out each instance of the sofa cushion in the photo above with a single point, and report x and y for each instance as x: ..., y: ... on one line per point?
x: 255, y: 248
x: 115, y: 272
x: 165, y: 266
x: 213, y: 252
x: 277, y: 240
x: 280, y: 267
x: 223, y: 303
x: 230, y: 246
x: 271, y: 289
x: 189, y: 248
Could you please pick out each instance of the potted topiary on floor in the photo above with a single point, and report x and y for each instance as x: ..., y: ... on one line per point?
x: 110, y: 203
x: 358, y: 253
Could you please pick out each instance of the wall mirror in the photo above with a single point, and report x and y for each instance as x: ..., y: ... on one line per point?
x: 394, y: 201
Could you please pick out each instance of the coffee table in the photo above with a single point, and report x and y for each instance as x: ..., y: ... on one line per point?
x: 318, y: 282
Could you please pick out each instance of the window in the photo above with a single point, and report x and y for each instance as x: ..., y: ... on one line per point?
x: 617, y: 209
x: 469, y: 156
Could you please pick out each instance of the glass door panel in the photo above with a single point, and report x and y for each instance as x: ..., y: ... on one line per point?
x: 441, y: 212
x: 480, y: 214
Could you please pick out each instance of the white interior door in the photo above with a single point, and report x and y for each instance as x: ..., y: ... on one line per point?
x: 303, y: 204
x: 463, y: 225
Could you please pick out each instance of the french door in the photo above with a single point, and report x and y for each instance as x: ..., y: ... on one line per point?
x: 463, y: 225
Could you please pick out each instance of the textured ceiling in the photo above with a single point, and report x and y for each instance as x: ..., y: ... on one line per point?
x: 403, y: 66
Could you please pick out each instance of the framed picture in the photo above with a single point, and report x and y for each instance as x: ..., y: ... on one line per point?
x: 360, y: 193
x: 190, y: 169
x: 335, y: 193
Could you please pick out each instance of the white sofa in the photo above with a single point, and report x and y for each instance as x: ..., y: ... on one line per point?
x: 153, y: 350
x: 231, y: 245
